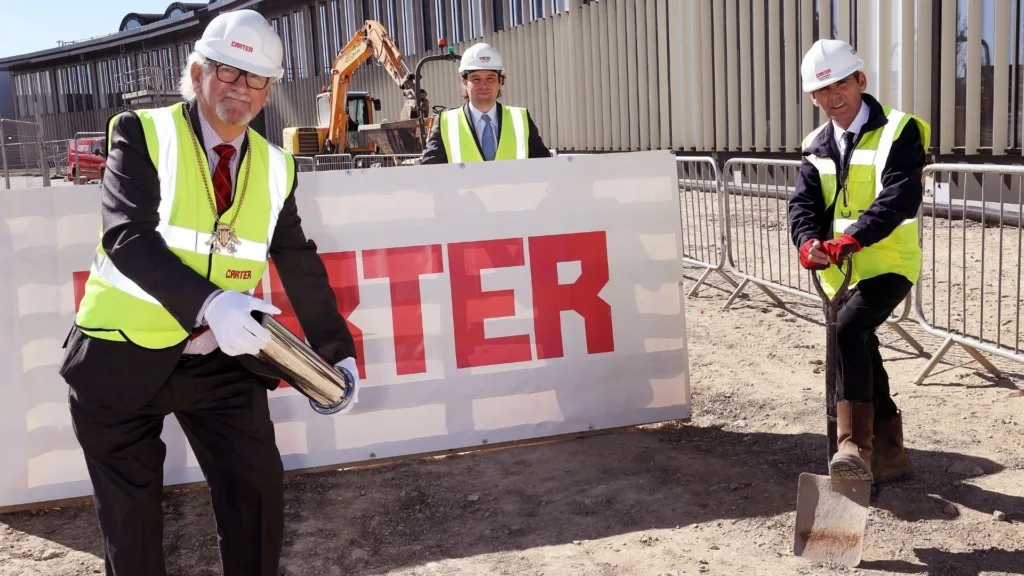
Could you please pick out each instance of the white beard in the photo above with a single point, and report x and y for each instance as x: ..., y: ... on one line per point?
x: 223, y: 112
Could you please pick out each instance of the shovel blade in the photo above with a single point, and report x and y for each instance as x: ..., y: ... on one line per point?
x: 831, y: 519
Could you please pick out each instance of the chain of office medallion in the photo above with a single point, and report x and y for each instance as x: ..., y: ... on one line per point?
x: 209, y: 196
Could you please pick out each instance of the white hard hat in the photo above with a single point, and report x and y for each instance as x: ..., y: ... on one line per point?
x: 481, y: 57
x: 827, y: 62
x: 243, y: 39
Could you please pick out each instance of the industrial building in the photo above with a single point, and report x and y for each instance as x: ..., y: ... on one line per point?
x: 714, y: 77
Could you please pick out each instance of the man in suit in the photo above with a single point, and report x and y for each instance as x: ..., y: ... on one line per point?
x: 857, y: 197
x: 193, y: 203
x: 483, y: 129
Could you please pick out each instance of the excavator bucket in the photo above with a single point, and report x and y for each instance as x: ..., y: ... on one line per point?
x: 398, y: 137
x: 831, y: 518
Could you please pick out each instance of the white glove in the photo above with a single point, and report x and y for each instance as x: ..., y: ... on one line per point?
x: 349, y: 364
x: 237, y: 332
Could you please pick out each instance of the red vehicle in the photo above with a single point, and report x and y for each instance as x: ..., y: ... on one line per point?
x: 90, y: 158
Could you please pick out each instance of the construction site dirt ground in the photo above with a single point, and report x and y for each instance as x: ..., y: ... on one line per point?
x: 714, y: 496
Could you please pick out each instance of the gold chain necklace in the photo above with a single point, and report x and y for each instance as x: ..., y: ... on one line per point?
x: 223, y: 237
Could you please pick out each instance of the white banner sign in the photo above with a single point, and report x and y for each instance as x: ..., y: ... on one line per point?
x: 483, y: 312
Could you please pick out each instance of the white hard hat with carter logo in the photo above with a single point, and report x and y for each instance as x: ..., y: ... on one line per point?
x: 827, y: 62
x: 481, y: 56
x: 243, y: 39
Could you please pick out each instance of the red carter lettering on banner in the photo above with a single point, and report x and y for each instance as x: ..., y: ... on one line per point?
x: 471, y: 306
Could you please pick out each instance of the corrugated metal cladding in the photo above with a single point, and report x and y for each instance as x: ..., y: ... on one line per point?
x: 605, y: 75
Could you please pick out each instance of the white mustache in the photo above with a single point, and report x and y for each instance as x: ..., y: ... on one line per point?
x: 239, y: 97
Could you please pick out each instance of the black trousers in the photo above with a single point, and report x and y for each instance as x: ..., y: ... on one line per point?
x: 226, y: 419
x: 862, y: 377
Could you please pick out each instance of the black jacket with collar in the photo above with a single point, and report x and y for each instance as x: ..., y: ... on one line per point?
x: 898, y: 200
x: 434, y: 152
x: 126, y: 375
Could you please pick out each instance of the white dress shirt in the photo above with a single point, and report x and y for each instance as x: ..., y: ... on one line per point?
x: 477, y: 118
x: 211, y: 139
x: 855, y: 126
x: 207, y: 342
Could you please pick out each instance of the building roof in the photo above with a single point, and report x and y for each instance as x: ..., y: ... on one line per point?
x: 174, y: 10
x: 177, y: 8
x: 136, y: 20
x: 134, y: 27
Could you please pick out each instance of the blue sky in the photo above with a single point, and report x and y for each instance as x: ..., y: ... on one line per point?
x: 32, y: 25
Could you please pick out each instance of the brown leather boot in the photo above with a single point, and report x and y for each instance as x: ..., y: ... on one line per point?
x: 854, y: 424
x: 889, y: 461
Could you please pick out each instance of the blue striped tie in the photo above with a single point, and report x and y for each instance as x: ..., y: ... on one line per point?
x: 487, y: 142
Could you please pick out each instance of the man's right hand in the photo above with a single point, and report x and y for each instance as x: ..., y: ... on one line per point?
x: 237, y: 332
x: 812, y: 256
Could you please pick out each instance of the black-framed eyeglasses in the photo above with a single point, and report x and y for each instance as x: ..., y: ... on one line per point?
x: 229, y: 74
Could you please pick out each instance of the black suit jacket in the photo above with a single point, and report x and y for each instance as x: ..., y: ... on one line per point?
x: 434, y: 153
x: 126, y: 375
x: 899, y: 199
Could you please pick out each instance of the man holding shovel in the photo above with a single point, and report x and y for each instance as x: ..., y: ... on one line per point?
x: 858, y: 194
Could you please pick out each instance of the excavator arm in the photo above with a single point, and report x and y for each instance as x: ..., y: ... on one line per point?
x: 370, y: 40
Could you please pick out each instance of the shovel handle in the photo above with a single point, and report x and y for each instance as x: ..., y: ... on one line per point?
x: 830, y: 304
x: 831, y: 307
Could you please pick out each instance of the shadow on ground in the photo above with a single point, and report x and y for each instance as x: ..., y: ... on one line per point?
x: 371, y: 521
x: 935, y: 562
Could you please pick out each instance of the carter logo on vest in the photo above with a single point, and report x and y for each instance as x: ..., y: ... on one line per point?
x: 238, y: 274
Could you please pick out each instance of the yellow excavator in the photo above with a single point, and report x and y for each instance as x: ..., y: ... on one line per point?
x: 341, y: 112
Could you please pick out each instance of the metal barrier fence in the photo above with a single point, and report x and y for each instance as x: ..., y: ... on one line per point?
x: 325, y: 162
x: 969, y: 292
x: 755, y: 194
x: 57, y: 157
x: 84, y: 150
x: 755, y: 200
x: 385, y: 160
x: 303, y: 164
x: 21, y: 151
x: 702, y: 217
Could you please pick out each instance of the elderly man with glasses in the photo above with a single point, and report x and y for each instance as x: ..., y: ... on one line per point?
x: 193, y: 204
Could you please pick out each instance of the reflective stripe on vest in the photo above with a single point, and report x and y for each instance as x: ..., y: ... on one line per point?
x: 194, y: 240
x: 115, y: 307
x: 457, y: 134
x: 899, y: 252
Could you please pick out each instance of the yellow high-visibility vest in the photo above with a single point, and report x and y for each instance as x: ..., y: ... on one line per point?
x: 457, y: 135
x: 899, y: 252
x: 116, y: 308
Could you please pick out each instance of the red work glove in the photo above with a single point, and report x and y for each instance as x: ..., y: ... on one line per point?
x: 805, y: 256
x: 840, y: 248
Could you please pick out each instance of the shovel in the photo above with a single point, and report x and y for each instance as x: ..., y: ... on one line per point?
x: 831, y: 515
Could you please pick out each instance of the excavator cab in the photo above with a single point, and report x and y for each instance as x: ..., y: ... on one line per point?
x: 310, y: 140
x: 360, y: 107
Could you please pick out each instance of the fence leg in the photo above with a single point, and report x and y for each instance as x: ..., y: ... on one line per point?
x: 934, y: 361
x: 771, y: 295
x: 703, y: 277
x: 44, y: 165
x: 726, y: 277
x: 907, y: 337
x: 3, y: 154
x: 982, y: 360
x: 735, y: 293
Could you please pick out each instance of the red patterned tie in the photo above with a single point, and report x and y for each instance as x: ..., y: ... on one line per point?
x: 222, y: 176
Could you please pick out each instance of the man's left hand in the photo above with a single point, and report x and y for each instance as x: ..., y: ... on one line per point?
x: 349, y: 364
x: 841, y: 248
